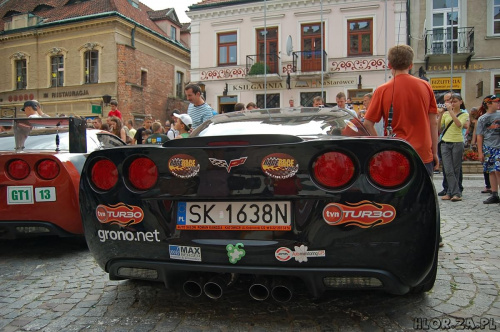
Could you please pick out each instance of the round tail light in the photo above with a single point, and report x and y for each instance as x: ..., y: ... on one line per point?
x: 47, y: 169
x: 18, y: 169
x: 389, y: 169
x: 143, y: 173
x: 104, y: 174
x: 333, y: 169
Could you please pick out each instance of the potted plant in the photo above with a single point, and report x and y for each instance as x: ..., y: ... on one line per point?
x: 258, y: 69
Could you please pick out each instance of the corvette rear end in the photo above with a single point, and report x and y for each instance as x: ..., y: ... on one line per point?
x: 333, y: 211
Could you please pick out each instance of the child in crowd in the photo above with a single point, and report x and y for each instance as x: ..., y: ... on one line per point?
x: 145, y: 134
x: 183, y: 124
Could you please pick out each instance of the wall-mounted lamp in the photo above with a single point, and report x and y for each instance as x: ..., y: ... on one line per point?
x: 421, y: 74
x: 106, y: 99
x: 224, y: 92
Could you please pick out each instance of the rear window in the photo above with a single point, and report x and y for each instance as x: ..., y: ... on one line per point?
x: 300, y: 122
x: 45, y: 139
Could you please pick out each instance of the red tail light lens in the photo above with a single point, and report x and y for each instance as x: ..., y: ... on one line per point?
x: 143, y: 173
x: 389, y: 169
x: 18, y: 169
x: 333, y: 169
x: 104, y: 174
x: 47, y: 169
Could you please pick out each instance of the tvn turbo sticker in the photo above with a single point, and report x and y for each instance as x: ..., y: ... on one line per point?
x: 284, y: 254
x: 364, y: 214
x: 183, y: 166
x: 232, y: 163
x: 279, y: 165
x: 235, y: 253
x: 185, y: 253
x: 119, y: 214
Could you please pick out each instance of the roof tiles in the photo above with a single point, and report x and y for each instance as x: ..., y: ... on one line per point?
x: 62, y: 11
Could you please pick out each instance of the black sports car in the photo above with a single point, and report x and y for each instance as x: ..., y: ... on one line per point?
x: 274, y: 197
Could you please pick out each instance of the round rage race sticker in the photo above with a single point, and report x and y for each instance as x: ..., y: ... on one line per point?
x: 183, y: 166
x: 279, y: 165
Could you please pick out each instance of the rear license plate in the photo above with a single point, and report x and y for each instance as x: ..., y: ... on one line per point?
x: 235, y: 216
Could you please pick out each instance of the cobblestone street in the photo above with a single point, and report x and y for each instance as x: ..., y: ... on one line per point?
x: 56, y: 286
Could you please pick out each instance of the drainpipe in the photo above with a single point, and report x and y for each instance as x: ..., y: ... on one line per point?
x: 386, y: 50
x: 38, y: 66
x: 132, y: 36
x: 408, y: 23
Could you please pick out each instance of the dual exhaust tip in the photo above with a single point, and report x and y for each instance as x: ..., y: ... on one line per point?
x: 280, y: 289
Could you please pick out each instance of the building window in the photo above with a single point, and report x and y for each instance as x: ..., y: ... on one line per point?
x: 179, y: 84
x: 21, y: 78
x: 173, y: 33
x: 497, y: 85
x: 445, y: 18
x: 57, y: 71
x: 360, y: 34
x: 272, y: 101
x: 226, y: 44
x: 306, y: 98
x: 91, y: 66
x: 144, y: 78
x: 496, y: 17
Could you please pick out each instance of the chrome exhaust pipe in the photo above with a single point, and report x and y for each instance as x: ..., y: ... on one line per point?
x: 260, y: 289
x: 282, y: 289
x: 215, y: 287
x: 193, y: 287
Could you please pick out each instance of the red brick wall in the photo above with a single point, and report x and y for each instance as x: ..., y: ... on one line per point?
x: 153, y: 98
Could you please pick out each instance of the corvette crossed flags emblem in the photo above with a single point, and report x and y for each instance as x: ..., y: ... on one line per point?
x: 232, y: 163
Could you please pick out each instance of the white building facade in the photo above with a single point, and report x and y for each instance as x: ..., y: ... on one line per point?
x: 311, y: 48
x: 456, y: 43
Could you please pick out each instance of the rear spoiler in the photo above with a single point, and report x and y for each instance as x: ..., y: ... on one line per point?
x: 22, y: 128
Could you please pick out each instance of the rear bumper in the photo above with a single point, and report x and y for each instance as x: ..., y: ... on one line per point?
x: 314, y: 278
x: 10, y: 230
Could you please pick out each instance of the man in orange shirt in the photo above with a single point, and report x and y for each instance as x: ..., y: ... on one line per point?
x: 414, y: 116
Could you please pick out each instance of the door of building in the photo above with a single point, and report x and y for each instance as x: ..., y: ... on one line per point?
x: 271, y: 43
x: 311, y: 47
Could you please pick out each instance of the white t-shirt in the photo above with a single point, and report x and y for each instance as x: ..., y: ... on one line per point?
x: 172, y: 133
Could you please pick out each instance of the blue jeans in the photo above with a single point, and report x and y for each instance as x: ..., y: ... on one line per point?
x: 451, y: 155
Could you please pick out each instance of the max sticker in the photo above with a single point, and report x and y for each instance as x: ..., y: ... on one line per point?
x: 364, y: 214
x: 183, y: 166
x: 279, y: 165
x: 119, y: 214
x: 235, y: 253
x: 300, y: 254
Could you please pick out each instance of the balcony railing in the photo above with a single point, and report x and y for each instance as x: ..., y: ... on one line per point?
x: 440, y: 41
x: 255, y: 64
x: 309, y: 61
